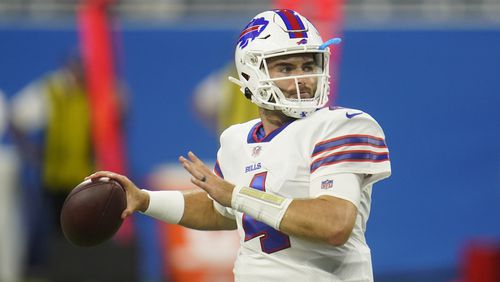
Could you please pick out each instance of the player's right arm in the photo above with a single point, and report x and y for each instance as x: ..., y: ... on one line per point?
x: 200, y: 213
x: 192, y: 209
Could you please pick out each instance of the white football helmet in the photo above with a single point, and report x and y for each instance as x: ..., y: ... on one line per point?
x: 278, y: 33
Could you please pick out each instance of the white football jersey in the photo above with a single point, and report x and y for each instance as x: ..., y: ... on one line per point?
x: 299, y: 160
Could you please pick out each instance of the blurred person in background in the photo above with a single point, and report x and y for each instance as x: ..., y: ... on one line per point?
x: 297, y: 182
x: 51, y: 124
x: 11, y: 231
x: 219, y: 103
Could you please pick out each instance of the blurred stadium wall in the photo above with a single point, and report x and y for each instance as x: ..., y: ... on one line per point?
x: 427, y: 70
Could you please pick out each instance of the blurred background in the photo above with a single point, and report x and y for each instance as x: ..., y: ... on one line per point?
x: 131, y: 85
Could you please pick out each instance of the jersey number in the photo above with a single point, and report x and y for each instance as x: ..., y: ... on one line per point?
x: 271, y: 240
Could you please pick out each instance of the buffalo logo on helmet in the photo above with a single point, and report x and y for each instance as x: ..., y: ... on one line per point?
x: 302, y: 41
x: 251, y: 31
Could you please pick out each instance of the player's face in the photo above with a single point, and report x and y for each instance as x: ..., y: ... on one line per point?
x: 294, y: 65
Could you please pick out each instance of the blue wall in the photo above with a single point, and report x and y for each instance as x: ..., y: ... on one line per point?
x: 435, y: 92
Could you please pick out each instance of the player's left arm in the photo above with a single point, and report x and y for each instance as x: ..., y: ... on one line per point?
x: 329, y: 216
x: 325, y: 218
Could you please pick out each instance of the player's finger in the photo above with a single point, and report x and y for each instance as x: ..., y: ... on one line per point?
x: 185, y: 162
x: 199, y: 164
x: 123, y: 180
x: 203, y: 185
x: 195, y: 159
x: 196, y: 168
x: 99, y: 174
x: 192, y: 170
x: 126, y: 213
x: 182, y: 159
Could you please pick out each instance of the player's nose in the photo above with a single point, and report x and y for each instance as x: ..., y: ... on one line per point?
x: 303, y: 82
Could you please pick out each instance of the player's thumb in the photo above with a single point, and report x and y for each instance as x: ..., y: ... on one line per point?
x: 126, y: 213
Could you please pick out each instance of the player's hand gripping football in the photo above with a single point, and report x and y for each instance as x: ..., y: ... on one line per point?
x: 203, y: 177
x: 137, y: 200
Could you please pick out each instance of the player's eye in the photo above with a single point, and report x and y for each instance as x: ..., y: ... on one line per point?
x: 285, y: 69
x: 309, y: 68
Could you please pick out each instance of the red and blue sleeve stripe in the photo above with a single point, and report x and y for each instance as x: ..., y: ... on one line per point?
x: 348, y: 140
x: 293, y: 23
x: 350, y: 156
x: 217, y: 169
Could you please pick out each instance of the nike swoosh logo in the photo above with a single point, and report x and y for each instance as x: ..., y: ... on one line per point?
x: 348, y: 115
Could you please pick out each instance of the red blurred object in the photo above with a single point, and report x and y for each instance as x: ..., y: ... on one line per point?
x: 318, y: 11
x: 99, y: 62
x: 102, y: 3
x: 481, y: 262
x: 102, y: 84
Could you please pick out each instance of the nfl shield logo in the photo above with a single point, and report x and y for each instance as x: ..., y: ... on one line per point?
x: 327, y: 184
x: 256, y: 151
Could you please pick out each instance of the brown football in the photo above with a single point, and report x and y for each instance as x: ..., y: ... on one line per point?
x: 91, y: 213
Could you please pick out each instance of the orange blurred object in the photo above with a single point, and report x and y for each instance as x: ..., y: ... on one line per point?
x: 191, y: 255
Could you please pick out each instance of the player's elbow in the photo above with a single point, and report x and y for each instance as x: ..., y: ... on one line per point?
x: 341, y: 223
x: 338, y: 234
x: 338, y: 238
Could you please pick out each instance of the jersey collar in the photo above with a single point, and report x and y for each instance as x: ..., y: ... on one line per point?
x: 257, y: 134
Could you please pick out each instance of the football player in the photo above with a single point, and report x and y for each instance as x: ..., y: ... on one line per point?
x: 296, y: 182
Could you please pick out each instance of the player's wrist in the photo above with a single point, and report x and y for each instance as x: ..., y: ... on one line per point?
x: 143, y: 200
x: 262, y: 206
x: 167, y: 206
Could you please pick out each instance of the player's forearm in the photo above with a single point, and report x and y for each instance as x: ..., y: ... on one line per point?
x: 327, y: 219
x: 200, y: 214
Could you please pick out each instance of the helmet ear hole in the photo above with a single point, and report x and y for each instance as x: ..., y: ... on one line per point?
x: 248, y: 93
x: 245, y: 76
